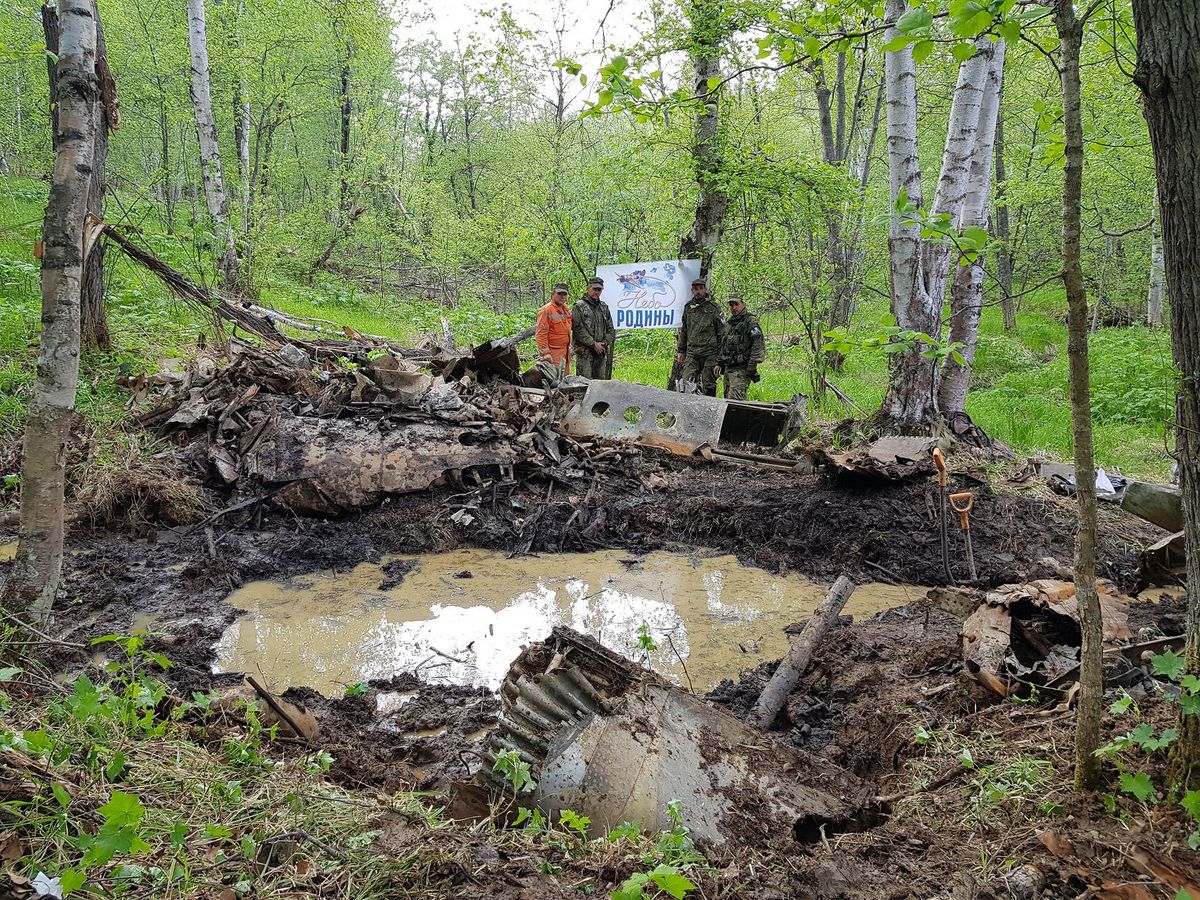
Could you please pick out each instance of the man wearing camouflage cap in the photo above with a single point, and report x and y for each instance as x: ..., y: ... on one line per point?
x: 699, y: 341
x: 593, y: 334
x: 742, y: 349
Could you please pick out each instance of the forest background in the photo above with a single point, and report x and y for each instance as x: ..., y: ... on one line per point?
x: 389, y: 178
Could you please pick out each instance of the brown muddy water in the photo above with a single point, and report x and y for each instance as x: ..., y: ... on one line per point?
x: 463, y: 617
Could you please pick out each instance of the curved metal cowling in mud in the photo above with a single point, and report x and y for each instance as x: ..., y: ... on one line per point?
x: 614, y: 742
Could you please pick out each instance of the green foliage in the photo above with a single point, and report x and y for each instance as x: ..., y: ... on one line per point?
x: 662, y: 878
x: 515, y: 771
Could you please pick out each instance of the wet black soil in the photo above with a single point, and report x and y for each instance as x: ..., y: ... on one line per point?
x: 871, y: 684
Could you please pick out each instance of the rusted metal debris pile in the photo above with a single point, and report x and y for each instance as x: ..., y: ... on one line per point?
x: 611, y: 740
x: 1027, y: 637
x: 327, y: 438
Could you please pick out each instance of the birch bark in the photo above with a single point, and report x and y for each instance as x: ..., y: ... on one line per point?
x: 210, y: 152
x: 966, y: 293
x: 37, y: 567
x: 909, y: 398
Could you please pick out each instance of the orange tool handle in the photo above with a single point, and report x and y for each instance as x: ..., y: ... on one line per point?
x: 939, y: 460
x: 963, y: 504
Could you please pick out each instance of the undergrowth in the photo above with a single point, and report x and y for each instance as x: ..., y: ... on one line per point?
x: 1019, y: 394
x: 114, y: 786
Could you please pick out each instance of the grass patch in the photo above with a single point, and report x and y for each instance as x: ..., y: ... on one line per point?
x: 1019, y: 384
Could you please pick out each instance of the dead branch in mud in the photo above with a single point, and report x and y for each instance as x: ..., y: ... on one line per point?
x: 278, y: 709
x: 25, y: 626
x: 792, y: 666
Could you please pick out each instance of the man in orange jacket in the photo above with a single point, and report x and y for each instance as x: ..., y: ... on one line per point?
x: 554, y: 330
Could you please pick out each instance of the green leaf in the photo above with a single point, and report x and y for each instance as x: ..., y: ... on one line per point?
x: 631, y: 889
x: 899, y: 42
x: 1010, y: 30
x: 1169, y: 664
x: 921, y: 51
x: 962, y: 52
x: 123, y: 809
x: 70, y: 881
x: 115, y: 766
x: 919, y: 19
x: 1139, y: 785
x: 669, y: 880
x: 179, y: 834
x: 9, y: 673
x: 37, y: 743
x: 357, y: 689
x: 60, y: 794
x: 1191, y: 804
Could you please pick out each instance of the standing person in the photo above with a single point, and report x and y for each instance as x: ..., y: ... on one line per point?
x: 699, y: 343
x: 593, y: 334
x: 553, y: 333
x: 742, y: 349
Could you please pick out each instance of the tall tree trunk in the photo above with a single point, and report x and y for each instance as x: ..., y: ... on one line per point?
x: 1091, y: 684
x: 910, y: 400
x: 347, y: 109
x: 93, y: 318
x: 169, y: 195
x: 954, y: 180
x: 33, y: 583
x: 210, y: 152
x: 241, y: 136
x: 1157, y: 289
x: 94, y: 322
x: 712, y: 203
x: 966, y: 293
x: 1004, y: 260
x: 920, y: 268
x: 1168, y: 72
x: 50, y: 28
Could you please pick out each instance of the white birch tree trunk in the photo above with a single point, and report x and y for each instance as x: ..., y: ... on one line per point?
x: 37, y: 568
x: 966, y: 293
x: 920, y: 268
x: 1158, y: 283
x: 908, y: 400
x: 962, y: 132
x: 210, y: 152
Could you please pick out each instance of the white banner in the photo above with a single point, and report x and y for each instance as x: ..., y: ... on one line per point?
x: 648, y: 295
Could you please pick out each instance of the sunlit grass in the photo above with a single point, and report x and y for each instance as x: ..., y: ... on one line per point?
x: 1019, y: 395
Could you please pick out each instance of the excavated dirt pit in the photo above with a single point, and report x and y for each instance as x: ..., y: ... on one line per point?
x: 462, y: 617
x: 315, y: 604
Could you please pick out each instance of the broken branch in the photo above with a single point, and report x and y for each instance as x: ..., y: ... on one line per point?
x: 792, y: 666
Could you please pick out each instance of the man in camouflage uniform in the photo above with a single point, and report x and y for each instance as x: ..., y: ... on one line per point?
x: 593, y: 334
x: 699, y: 343
x: 742, y: 349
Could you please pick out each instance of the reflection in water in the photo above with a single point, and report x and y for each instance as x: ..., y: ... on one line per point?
x: 462, y: 617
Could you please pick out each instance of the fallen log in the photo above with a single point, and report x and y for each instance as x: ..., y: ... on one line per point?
x: 792, y: 666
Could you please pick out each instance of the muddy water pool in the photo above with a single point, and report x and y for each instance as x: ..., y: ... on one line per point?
x: 462, y: 617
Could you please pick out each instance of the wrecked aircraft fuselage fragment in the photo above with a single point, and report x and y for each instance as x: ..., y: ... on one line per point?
x: 612, y: 741
x: 679, y: 423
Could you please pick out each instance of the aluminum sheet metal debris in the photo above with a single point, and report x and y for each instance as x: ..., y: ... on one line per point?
x: 680, y: 423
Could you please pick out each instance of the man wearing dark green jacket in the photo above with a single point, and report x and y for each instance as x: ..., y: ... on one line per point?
x: 742, y: 349
x: 699, y: 341
x: 593, y: 334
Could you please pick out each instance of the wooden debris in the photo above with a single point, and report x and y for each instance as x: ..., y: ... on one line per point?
x: 792, y: 666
